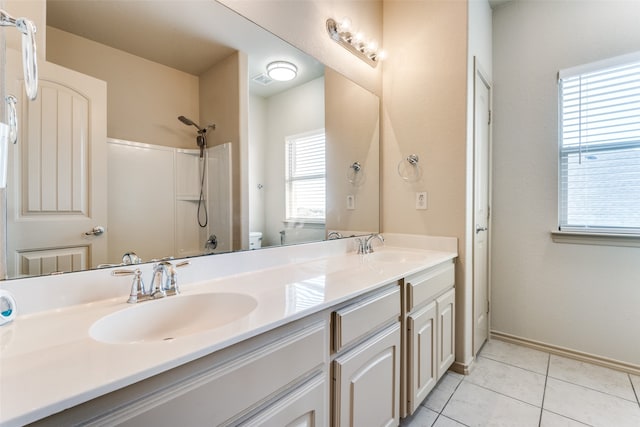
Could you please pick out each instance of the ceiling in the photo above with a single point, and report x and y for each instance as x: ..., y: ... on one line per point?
x: 188, y: 35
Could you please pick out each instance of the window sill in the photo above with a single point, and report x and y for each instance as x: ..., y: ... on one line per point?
x: 601, y: 239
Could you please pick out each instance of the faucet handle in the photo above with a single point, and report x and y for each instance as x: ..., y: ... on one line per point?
x: 137, y: 286
x: 173, y: 288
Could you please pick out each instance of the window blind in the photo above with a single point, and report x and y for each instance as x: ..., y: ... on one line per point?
x: 305, y: 177
x: 599, y: 165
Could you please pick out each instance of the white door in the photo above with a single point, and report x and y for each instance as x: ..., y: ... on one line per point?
x: 57, y: 173
x: 482, y: 118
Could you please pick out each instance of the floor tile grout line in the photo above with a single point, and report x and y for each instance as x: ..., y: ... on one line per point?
x: 569, y: 418
x: 634, y: 389
x: 515, y: 366
x: 502, y: 394
x: 544, y: 390
x: 449, y: 418
x: 596, y: 390
x: 447, y: 402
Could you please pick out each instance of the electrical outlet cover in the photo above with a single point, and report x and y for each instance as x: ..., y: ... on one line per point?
x: 421, y: 200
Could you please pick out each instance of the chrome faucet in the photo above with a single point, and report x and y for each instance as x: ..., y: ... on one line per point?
x: 364, y: 243
x: 164, y: 282
x: 334, y: 235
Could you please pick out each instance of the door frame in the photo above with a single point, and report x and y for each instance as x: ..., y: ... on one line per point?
x: 479, y: 72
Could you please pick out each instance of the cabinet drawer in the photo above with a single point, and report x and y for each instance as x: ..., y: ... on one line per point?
x: 365, y: 316
x: 232, y: 390
x: 426, y: 285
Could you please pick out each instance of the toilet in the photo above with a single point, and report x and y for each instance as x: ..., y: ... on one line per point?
x: 255, y: 240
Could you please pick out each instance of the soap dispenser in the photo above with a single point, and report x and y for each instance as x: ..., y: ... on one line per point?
x: 7, y: 307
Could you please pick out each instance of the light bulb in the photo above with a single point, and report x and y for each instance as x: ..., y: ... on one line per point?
x: 345, y: 24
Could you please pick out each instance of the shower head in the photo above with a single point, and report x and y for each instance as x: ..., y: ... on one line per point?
x: 189, y: 122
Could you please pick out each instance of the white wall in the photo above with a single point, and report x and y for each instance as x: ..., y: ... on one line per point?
x: 585, y: 298
x: 257, y: 162
x: 293, y: 112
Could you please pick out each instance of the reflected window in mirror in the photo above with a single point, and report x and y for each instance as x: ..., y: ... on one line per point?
x: 305, y: 177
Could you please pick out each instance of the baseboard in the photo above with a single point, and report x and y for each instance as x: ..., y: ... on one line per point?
x: 461, y: 368
x: 569, y: 353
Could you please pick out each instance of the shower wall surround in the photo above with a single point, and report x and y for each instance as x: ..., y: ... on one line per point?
x: 153, y: 199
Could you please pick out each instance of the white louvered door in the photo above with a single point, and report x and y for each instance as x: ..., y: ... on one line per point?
x: 57, y: 173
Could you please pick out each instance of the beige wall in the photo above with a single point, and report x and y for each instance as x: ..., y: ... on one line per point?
x: 144, y: 98
x: 582, y: 297
x: 221, y: 93
x: 36, y: 11
x: 424, y: 113
x: 352, y: 122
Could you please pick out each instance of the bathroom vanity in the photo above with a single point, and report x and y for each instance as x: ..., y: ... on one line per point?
x: 311, y: 335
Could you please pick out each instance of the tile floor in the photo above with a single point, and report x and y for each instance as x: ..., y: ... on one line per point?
x: 516, y: 386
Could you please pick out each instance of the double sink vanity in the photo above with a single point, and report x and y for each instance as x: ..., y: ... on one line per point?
x: 315, y: 334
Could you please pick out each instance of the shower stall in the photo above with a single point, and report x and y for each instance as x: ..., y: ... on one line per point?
x: 156, y: 196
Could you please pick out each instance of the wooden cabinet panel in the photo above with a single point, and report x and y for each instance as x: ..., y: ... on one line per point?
x: 428, y: 284
x: 423, y: 375
x: 429, y: 335
x: 446, y: 331
x: 366, y: 382
x: 362, y: 317
x: 306, y: 406
x: 232, y: 391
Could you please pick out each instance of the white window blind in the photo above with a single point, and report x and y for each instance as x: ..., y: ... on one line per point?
x: 305, y: 177
x: 599, y: 168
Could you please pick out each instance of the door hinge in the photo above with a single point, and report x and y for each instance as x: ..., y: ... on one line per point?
x: 488, y: 306
x: 489, y: 122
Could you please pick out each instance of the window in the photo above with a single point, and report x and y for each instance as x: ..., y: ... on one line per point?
x: 599, y: 168
x: 305, y: 177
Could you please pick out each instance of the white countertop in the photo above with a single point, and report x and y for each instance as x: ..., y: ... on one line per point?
x: 49, y: 362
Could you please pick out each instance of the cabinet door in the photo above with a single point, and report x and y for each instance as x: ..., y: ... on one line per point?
x: 305, y: 406
x: 422, y: 372
x: 446, y: 331
x: 366, y: 382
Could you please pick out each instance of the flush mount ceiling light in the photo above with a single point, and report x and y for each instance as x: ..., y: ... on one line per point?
x: 354, y: 42
x: 282, y: 71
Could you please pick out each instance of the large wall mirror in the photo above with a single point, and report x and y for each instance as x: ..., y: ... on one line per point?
x: 158, y: 131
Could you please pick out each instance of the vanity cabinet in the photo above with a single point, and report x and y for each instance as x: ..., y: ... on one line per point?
x: 278, y: 378
x: 366, y: 361
x: 429, y: 331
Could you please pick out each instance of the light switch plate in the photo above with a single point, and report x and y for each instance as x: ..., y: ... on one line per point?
x: 421, y: 200
x: 351, y: 202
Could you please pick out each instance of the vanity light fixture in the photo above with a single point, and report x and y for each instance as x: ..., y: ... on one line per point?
x: 342, y: 33
x: 282, y: 71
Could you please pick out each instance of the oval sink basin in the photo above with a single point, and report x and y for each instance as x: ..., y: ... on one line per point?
x: 171, y: 317
x: 394, y: 256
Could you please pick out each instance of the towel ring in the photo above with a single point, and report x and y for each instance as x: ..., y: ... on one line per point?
x: 355, y: 174
x: 412, y: 171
